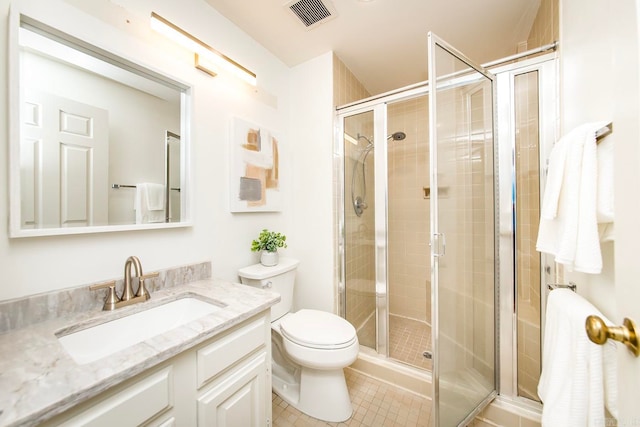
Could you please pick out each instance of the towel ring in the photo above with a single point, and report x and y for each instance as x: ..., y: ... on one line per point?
x: 599, y: 332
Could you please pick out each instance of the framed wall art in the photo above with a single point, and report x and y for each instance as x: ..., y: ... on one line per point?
x: 255, y: 169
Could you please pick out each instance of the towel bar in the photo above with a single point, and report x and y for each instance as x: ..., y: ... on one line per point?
x: 603, y: 131
x: 599, y: 332
x: 571, y: 285
x: 118, y: 186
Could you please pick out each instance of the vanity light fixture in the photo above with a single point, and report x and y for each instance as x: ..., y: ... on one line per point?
x: 206, y: 57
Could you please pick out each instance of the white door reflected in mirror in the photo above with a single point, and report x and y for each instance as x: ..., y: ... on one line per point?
x: 64, y: 162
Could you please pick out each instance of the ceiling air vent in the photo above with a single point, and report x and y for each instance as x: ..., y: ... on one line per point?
x: 312, y: 12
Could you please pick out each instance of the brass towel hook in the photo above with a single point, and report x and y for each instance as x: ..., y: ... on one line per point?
x: 599, y: 332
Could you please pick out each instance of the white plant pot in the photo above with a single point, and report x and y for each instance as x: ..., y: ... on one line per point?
x: 269, y: 259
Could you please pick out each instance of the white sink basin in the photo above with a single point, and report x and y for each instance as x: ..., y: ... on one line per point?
x: 96, y: 342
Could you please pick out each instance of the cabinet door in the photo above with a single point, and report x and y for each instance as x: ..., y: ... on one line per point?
x: 237, y: 399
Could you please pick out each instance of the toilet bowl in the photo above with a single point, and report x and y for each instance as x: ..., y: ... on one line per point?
x: 310, y: 348
x: 319, y: 340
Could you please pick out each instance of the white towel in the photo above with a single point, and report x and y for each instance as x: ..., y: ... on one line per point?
x: 605, y: 181
x: 149, y: 203
x: 578, y: 377
x: 568, y: 223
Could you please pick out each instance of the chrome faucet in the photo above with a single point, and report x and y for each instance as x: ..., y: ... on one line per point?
x: 112, y: 301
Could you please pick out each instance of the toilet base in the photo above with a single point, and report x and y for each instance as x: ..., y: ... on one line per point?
x: 285, y: 385
x: 327, y: 396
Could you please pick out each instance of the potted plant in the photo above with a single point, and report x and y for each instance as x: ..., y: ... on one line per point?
x: 268, y: 242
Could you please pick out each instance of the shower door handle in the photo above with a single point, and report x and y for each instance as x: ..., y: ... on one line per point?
x: 439, y: 241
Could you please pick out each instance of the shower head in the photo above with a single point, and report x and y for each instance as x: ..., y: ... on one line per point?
x: 397, y: 136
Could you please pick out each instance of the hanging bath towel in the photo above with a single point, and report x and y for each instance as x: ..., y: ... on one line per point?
x: 149, y: 203
x: 578, y: 378
x: 568, y: 220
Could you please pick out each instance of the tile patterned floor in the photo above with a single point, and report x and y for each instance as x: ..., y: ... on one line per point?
x: 375, y: 404
x: 408, y: 339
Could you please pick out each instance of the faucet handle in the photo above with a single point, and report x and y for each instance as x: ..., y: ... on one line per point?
x: 111, y: 299
x: 142, y: 289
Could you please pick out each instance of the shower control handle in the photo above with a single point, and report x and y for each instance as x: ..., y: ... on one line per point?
x: 359, y: 205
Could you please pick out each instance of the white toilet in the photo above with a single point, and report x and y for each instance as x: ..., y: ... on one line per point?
x: 310, y: 348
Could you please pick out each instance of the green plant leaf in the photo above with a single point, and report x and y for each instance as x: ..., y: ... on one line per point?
x: 269, y: 241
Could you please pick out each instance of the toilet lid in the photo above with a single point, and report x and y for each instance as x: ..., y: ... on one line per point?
x: 318, y: 329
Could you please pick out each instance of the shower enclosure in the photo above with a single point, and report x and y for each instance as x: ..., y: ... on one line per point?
x: 418, y: 227
x: 420, y: 251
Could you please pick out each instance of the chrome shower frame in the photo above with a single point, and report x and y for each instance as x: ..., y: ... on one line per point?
x: 378, y: 106
x: 507, y: 364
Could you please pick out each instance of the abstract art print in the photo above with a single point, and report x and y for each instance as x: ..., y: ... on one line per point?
x: 255, y: 169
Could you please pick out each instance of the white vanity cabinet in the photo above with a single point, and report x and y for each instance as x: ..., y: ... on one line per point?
x: 238, y: 398
x: 235, y: 398
x: 225, y: 381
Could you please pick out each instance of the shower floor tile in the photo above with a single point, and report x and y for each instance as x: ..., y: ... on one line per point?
x: 408, y: 340
x: 375, y: 403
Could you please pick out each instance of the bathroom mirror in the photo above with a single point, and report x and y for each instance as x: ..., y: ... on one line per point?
x: 98, y: 142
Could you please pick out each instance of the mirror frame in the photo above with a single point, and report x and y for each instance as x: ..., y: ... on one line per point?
x: 34, y: 16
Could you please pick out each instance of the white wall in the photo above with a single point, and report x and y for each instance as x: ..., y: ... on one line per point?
x: 312, y: 115
x: 34, y: 265
x: 600, y: 80
x: 588, y: 60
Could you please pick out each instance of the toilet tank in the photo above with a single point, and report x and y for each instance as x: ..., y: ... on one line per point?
x: 280, y: 278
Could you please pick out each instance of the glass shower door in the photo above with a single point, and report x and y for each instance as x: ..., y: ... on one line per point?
x: 462, y: 235
x: 358, y: 225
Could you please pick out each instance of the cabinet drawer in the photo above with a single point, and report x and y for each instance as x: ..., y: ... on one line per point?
x: 133, y: 405
x: 218, y: 356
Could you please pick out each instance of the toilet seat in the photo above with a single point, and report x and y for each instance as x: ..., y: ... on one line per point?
x: 318, y: 329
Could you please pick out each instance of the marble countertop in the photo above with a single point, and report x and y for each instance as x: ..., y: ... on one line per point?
x: 38, y: 378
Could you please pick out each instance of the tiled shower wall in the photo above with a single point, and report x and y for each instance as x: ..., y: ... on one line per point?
x: 346, y: 87
x: 358, y: 230
x: 546, y: 27
x: 408, y: 209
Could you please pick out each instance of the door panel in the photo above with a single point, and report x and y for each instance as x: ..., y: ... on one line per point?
x: 359, y: 274
x: 67, y: 174
x: 76, y: 172
x: 463, y: 244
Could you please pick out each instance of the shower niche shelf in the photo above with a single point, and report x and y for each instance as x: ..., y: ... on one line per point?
x: 442, y: 192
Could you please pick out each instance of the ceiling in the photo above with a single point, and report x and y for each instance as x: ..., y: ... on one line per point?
x: 384, y: 42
